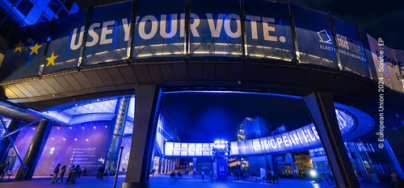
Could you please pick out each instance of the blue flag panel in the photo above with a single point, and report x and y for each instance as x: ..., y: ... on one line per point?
x: 108, y: 34
x: 24, y: 55
x: 268, y: 30
x: 215, y: 28
x: 66, y: 41
x: 314, y: 37
x: 159, y: 29
x: 350, y: 48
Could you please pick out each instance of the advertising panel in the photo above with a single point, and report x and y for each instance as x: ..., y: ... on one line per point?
x: 268, y: 31
x: 350, y: 48
x: 385, y: 62
x: 400, y: 60
x: 315, y: 42
x: 108, y: 34
x: 159, y: 29
x: 66, y: 42
x: 215, y: 28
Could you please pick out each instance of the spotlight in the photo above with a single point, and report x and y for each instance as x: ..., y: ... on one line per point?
x: 313, y: 173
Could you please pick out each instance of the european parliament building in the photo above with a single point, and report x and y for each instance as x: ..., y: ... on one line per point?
x: 79, y: 80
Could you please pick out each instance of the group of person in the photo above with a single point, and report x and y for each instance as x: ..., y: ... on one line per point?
x: 4, y: 168
x: 74, y: 172
x: 174, y: 176
x: 101, y: 170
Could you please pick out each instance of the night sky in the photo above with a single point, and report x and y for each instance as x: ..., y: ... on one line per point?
x: 383, y: 19
x: 206, y: 117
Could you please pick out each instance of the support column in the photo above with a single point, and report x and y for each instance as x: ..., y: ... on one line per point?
x: 289, y: 159
x: 322, y: 111
x: 5, y: 143
x: 35, y: 150
x: 165, y: 166
x: 115, y: 145
x: 148, y: 99
x: 194, y: 161
x: 271, y: 164
x: 161, y: 165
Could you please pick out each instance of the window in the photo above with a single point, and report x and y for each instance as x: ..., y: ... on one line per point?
x: 12, y: 1
x: 54, y: 5
x: 25, y: 6
x: 43, y: 18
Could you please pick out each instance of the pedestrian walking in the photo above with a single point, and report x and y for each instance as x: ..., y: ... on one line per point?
x: 55, y: 174
x: 172, y: 176
x: 108, y: 172
x: 211, y: 175
x: 62, y: 173
x: 203, y: 175
x: 6, y: 168
x: 396, y: 182
x: 69, y: 178
x: 76, y: 173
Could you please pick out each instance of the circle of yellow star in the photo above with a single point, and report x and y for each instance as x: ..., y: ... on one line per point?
x: 51, y: 60
x: 35, y: 48
x: 18, y: 47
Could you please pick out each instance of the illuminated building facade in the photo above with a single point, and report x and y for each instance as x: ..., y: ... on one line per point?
x: 153, y: 47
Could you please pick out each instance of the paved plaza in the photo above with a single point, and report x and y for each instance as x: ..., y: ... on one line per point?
x: 163, y: 181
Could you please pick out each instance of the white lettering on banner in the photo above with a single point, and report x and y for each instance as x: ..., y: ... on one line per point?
x: 273, y: 143
x: 253, y: 20
x: 307, y: 134
x: 93, y: 34
x: 215, y: 30
x: 315, y: 132
x: 182, y: 25
x: 297, y: 139
x: 227, y: 28
x: 74, y: 46
x: 142, y: 27
x: 279, y: 141
x: 126, y: 28
x: 105, y: 31
x: 173, y: 29
x: 266, y: 28
x: 231, y: 24
x: 292, y: 140
x: 285, y: 140
x: 194, y: 25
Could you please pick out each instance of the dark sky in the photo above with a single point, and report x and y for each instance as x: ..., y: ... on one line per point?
x: 206, y: 117
x: 379, y: 18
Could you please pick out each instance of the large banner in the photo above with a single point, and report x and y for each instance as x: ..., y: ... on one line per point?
x: 350, y: 48
x: 67, y: 39
x: 268, y: 31
x: 314, y: 37
x: 24, y: 54
x: 215, y: 28
x: 108, y: 34
x: 400, y: 60
x: 159, y: 29
x: 385, y: 62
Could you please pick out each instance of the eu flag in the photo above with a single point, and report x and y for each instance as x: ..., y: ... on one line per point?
x: 24, y: 55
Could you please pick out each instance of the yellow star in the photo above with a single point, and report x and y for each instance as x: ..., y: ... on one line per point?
x: 51, y: 60
x: 35, y: 48
x: 18, y: 47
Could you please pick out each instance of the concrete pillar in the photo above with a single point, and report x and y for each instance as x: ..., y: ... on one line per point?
x: 5, y: 143
x: 148, y: 99
x: 322, y: 111
x: 165, y: 166
x: 35, y: 150
x: 160, y: 165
